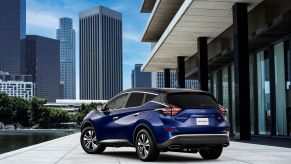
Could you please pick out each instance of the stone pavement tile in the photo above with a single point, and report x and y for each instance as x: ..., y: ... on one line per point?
x: 35, y: 157
x: 68, y: 150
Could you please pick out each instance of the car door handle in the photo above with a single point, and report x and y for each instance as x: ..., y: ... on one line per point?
x: 115, y: 118
x: 136, y: 114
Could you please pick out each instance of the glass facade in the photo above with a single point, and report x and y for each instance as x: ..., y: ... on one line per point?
x: 288, y: 83
x: 66, y: 35
x: 270, y: 90
x: 264, y: 106
x: 280, y: 94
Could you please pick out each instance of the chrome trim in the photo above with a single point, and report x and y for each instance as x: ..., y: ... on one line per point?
x: 197, y: 135
x: 114, y: 141
x: 196, y: 139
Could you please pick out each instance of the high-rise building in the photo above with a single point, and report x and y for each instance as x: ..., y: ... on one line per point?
x: 6, y: 76
x: 12, y: 35
x: 66, y: 35
x: 100, y: 53
x: 158, y: 81
x: 43, y: 63
x: 140, y: 79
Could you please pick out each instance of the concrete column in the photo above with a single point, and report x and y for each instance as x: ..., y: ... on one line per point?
x: 167, y: 74
x: 181, y: 71
x: 241, y: 68
x: 203, y: 63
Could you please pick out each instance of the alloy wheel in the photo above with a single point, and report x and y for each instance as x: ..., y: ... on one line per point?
x: 89, y: 140
x: 143, y: 145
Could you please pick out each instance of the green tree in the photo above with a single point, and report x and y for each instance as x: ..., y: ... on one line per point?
x: 38, y: 111
x: 20, y: 108
x: 6, y: 113
x: 58, y: 116
x: 44, y: 121
x: 83, y: 111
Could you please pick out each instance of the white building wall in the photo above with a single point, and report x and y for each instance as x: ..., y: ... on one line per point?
x: 17, y: 89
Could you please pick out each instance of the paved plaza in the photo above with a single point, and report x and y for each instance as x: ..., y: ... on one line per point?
x: 68, y: 150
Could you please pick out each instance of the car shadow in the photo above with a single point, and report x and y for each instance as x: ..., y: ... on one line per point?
x: 164, y: 157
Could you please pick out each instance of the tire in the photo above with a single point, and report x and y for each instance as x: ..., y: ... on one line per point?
x: 145, y: 146
x: 89, y: 142
x: 212, y: 153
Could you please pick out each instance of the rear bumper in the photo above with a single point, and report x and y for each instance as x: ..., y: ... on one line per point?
x: 196, y: 139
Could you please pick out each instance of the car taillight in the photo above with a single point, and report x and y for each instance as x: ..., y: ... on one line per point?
x: 223, y: 111
x: 171, y: 110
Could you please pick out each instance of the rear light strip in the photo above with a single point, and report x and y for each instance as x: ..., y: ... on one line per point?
x: 171, y: 110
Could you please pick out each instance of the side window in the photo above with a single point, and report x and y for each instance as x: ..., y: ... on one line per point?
x: 149, y: 97
x: 117, y: 102
x: 135, y: 99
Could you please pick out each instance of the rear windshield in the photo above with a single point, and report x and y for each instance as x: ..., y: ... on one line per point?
x: 191, y: 100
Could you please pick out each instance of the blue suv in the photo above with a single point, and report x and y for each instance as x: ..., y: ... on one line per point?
x: 155, y: 120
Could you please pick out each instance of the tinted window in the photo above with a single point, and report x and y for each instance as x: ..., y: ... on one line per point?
x: 117, y: 102
x: 149, y: 97
x: 191, y: 100
x: 135, y: 99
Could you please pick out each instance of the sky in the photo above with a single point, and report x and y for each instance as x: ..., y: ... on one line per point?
x: 42, y: 18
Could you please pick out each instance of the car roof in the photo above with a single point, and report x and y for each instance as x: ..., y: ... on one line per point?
x: 163, y: 90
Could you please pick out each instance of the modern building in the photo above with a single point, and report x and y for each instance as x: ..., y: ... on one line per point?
x: 140, y: 79
x: 158, y: 81
x: 22, y: 89
x: 72, y: 105
x: 242, y: 48
x: 12, y: 35
x: 6, y: 76
x: 100, y: 53
x: 66, y: 36
x: 42, y: 61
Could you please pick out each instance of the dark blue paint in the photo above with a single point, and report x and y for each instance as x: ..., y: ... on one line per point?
x: 184, y: 122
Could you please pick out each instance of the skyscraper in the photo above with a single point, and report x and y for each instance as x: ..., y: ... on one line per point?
x: 66, y: 35
x: 43, y: 63
x: 140, y: 79
x: 100, y: 53
x: 12, y: 35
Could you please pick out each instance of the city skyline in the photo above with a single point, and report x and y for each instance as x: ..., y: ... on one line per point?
x: 100, y: 53
x: 67, y: 36
x: 12, y: 32
x: 140, y: 79
x: 42, y: 58
x: 44, y: 21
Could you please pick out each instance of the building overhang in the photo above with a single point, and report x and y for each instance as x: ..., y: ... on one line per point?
x: 162, y: 13
x: 147, y: 6
x: 195, y: 18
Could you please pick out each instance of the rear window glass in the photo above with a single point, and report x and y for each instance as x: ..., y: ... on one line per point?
x: 191, y: 100
x: 135, y: 99
x: 149, y: 97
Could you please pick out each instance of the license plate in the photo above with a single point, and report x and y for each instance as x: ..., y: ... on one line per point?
x: 202, y: 121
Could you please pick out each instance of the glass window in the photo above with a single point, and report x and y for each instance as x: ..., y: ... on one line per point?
x: 288, y: 82
x: 281, y: 117
x: 225, y: 98
x: 191, y: 100
x: 233, y: 113
x: 264, y: 111
x: 149, y: 97
x: 135, y: 99
x: 215, y: 92
x: 252, y: 97
x: 117, y: 102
